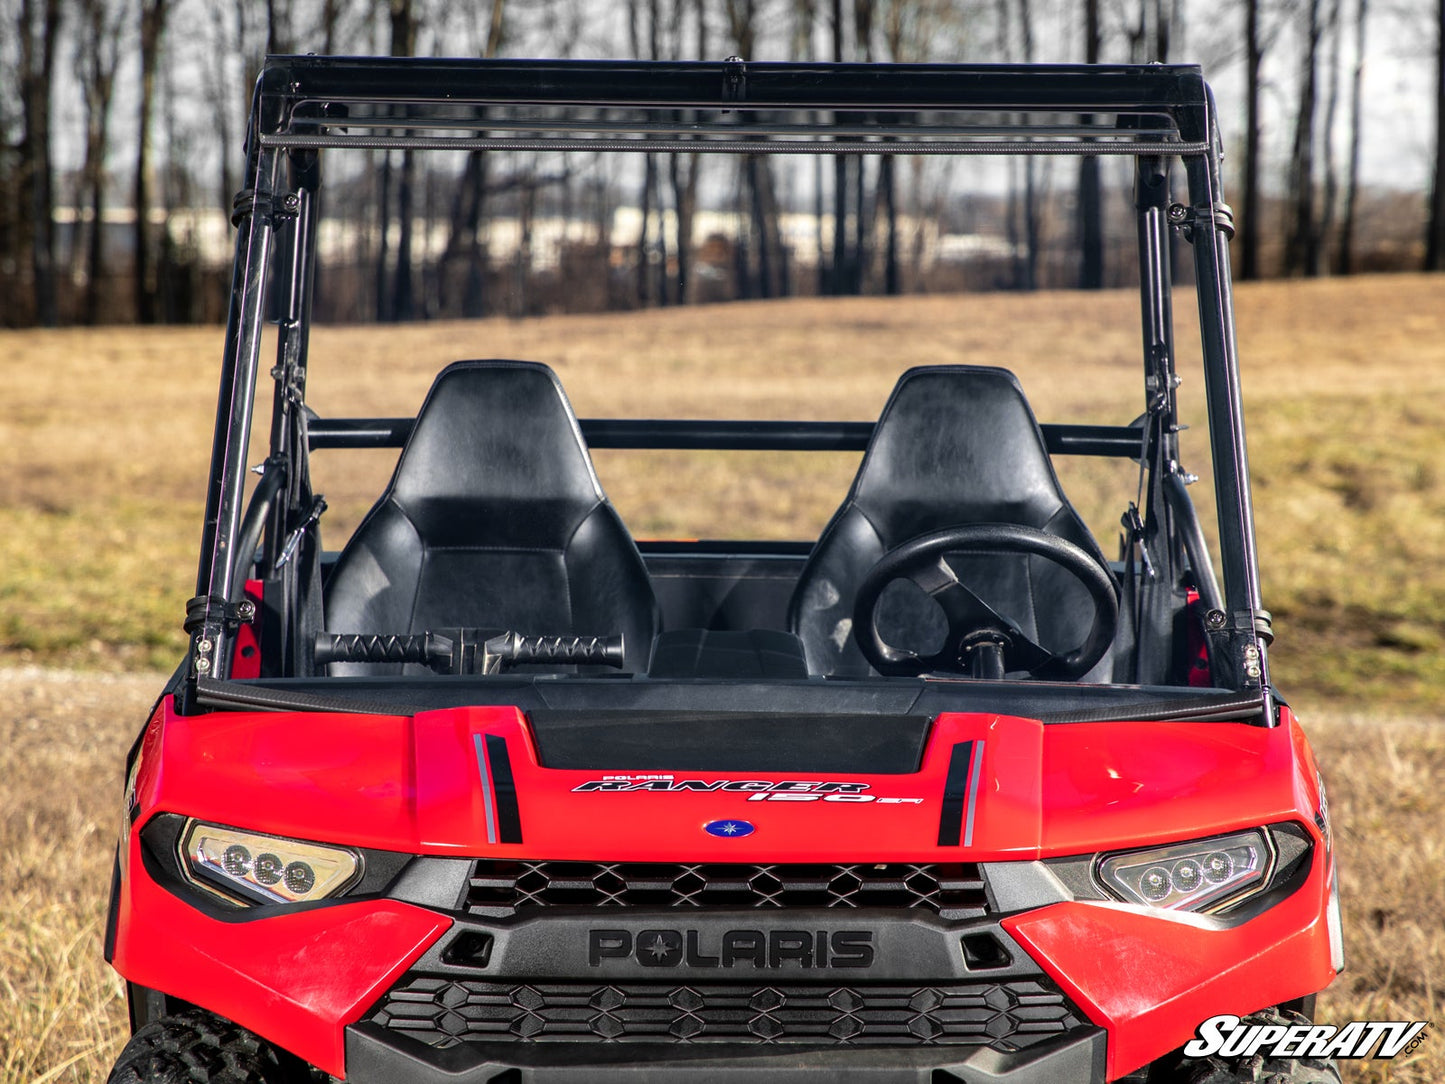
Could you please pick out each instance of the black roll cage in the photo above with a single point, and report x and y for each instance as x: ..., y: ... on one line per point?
x: 303, y: 104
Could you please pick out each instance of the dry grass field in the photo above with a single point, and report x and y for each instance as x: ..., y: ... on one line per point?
x: 100, y: 516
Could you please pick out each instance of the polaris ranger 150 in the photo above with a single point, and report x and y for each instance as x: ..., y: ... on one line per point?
x: 495, y: 793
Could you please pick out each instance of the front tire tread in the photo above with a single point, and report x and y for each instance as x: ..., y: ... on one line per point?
x: 197, y: 1047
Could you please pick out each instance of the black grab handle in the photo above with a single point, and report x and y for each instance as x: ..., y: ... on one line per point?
x: 356, y: 647
x: 469, y: 651
x: 580, y: 650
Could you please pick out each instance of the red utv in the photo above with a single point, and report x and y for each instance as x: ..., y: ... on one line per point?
x: 495, y: 793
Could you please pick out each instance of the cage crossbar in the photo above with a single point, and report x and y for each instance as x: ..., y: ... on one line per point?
x: 723, y: 434
x: 985, y: 148
x: 304, y: 103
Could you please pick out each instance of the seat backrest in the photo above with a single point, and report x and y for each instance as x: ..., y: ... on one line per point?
x: 955, y: 444
x: 494, y: 519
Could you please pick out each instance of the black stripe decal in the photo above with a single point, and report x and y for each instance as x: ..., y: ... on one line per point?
x: 955, y: 791
x: 509, y: 817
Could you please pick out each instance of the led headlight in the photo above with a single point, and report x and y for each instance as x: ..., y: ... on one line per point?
x: 255, y: 868
x: 1204, y: 875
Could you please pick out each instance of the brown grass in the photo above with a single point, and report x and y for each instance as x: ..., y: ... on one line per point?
x: 100, y: 521
x: 1388, y: 812
x: 63, y: 739
x: 1343, y: 379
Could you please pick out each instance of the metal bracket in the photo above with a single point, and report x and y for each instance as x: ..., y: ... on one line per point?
x: 206, y: 617
x: 273, y: 209
x: 1133, y: 524
x: 293, y: 540
x: 1174, y: 467
x: 206, y: 610
x: 1218, y: 215
x: 288, y: 375
x: 1241, y: 637
x: 735, y: 80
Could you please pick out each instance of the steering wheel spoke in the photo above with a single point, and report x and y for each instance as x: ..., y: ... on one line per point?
x: 972, y: 622
x: 962, y: 607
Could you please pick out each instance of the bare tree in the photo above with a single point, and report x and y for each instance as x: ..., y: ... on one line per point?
x: 1329, y: 198
x: 279, y: 34
x: 153, y: 14
x: 12, y: 215
x: 251, y: 37
x: 1435, y: 231
x: 97, y: 54
x: 683, y: 170
x: 219, y: 96
x: 403, y: 43
x: 1352, y: 177
x: 649, y: 163
x: 467, y: 236
x: 1091, y: 214
x: 178, y: 281
x: 1023, y: 235
x: 771, y: 276
x: 330, y: 23
x: 864, y: 210
x: 1302, y: 245
x: 909, y: 31
x: 1249, y: 233
x: 238, y: 40
x: 841, y: 275
x: 895, y: 20
x: 1031, y: 205
x: 39, y: 25
x: 383, y: 239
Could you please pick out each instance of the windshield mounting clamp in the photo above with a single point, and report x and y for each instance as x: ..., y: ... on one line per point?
x: 272, y: 209
x: 1186, y: 219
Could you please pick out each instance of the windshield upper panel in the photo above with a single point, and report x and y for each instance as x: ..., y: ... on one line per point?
x: 778, y: 288
x: 785, y: 315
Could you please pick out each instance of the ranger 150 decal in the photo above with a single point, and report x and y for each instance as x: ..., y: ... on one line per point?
x: 757, y: 790
x: 734, y: 948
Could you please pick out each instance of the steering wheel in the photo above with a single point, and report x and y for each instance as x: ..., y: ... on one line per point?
x: 974, y: 625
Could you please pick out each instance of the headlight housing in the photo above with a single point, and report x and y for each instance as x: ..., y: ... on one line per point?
x: 1202, y: 875
x: 253, y: 868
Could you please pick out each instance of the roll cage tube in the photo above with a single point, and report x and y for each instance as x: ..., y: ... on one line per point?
x: 1160, y: 112
x: 1208, y: 224
x: 211, y: 616
x: 269, y: 221
x: 290, y: 585
x: 1151, y: 575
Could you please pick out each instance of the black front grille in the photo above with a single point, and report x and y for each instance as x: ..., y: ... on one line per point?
x: 1006, y: 1015
x: 500, y: 889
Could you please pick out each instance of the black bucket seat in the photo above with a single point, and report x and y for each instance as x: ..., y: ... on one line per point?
x: 956, y: 447
x: 494, y: 519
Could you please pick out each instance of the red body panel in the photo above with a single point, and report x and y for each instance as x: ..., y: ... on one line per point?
x: 1151, y: 978
x: 415, y: 785
x: 296, y: 979
x: 246, y: 656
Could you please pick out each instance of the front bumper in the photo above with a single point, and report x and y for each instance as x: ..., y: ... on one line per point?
x: 373, y: 1054
x: 313, y: 978
x: 365, y: 990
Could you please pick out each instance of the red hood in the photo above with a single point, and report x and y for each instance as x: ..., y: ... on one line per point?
x: 423, y: 784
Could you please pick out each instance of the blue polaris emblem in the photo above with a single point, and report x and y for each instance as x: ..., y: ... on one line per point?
x: 728, y: 829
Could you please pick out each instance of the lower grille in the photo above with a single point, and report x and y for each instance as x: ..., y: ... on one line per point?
x: 500, y: 889
x: 1007, y: 1015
